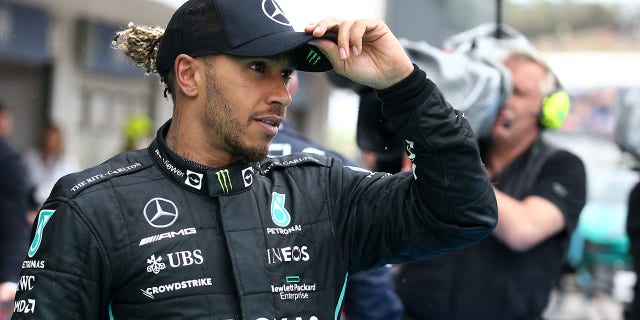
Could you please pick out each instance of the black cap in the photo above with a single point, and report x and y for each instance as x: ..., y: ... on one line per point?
x: 247, y: 28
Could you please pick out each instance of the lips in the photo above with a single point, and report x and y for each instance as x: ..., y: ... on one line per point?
x: 269, y: 123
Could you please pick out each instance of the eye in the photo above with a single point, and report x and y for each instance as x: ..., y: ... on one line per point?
x: 286, y: 75
x: 258, y: 66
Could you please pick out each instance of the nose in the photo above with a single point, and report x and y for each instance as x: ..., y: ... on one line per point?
x: 278, y: 93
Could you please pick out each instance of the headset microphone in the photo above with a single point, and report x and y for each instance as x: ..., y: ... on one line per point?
x: 509, y: 122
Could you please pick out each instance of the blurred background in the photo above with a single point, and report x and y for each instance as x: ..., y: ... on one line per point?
x: 57, y: 65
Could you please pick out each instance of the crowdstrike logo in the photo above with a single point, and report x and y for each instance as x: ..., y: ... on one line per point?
x: 273, y: 11
x: 224, y: 179
x: 176, y: 286
x: 160, y: 212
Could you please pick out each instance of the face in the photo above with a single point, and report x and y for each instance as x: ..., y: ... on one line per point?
x: 52, y: 141
x: 246, y: 100
x: 519, y: 116
x: 6, y: 123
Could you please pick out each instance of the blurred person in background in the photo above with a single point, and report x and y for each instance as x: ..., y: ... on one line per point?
x: 6, y: 121
x: 45, y: 165
x: 370, y: 294
x: 632, y: 311
x: 540, y: 190
x: 137, y: 132
x: 13, y: 208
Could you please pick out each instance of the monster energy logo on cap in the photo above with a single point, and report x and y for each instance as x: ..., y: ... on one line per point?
x: 224, y: 179
x: 313, y: 57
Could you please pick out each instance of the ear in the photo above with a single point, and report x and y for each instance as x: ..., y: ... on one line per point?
x: 187, y: 81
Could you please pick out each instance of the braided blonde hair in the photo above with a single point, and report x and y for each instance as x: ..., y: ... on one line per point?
x: 140, y: 44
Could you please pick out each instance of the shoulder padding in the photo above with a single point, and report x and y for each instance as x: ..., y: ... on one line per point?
x: 120, y: 165
x: 294, y: 160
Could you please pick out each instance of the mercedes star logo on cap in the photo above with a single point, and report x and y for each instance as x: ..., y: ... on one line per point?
x: 272, y: 9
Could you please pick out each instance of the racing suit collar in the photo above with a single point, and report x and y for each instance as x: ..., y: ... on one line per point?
x: 197, y: 178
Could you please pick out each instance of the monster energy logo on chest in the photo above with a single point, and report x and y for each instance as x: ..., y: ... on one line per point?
x: 224, y: 179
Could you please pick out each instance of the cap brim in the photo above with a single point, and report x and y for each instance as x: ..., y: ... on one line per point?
x: 307, y: 57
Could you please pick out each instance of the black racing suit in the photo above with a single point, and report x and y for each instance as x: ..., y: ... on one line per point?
x: 147, y: 235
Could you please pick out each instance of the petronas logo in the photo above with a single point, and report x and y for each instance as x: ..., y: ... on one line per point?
x: 224, y: 179
x: 279, y: 213
x: 313, y: 57
x: 43, y: 218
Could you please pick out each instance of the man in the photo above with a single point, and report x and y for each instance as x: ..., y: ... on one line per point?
x: 194, y: 228
x: 13, y: 210
x: 46, y: 164
x: 632, y: 310
x: 540, y: 192
x: 370, y: 294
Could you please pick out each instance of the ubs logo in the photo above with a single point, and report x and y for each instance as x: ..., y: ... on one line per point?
x: 273, y: 11
x: 160, y: 212
x: 175, y: 260
x: 194, y: 179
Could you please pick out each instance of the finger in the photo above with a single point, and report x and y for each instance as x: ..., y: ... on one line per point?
x: 344, y: 38
x: 318, y: 29
x: 358, y: 30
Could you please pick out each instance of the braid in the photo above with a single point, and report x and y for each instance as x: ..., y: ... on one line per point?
x: 140, y: 44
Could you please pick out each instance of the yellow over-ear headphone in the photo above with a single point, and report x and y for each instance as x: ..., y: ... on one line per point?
x: 555, y: 108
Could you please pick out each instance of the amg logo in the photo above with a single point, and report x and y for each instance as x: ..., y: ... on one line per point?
x: 167, y: 235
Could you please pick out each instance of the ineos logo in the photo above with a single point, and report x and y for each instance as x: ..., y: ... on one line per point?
x: 272, y: 10
x: 160, y: 213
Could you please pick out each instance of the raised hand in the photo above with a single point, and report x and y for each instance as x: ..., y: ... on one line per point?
x: 366, y: 51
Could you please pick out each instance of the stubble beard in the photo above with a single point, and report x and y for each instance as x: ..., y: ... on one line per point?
x: 220, y: 116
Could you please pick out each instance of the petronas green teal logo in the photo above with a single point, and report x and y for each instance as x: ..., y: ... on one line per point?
x: 43, y: 218
x: 279, y: 213
x: 313, y: 57
x: 224, y: 179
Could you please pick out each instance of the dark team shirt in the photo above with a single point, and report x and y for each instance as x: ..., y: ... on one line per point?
x: 489, y: 280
